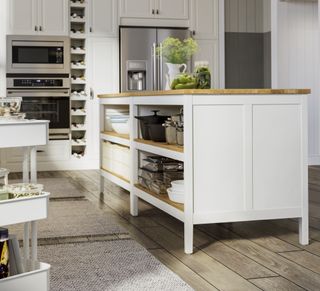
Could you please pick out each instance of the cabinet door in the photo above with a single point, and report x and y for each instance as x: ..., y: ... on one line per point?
x: 103, y: 18
x: 205, y: 19
x: 168, y: 9
x: 137, y: 8
x: 209, y: 52
x: 23, y: 17
x: 53, y: 17
x: 103, y: 77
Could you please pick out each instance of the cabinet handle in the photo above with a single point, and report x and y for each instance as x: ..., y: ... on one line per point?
x: 90, y: 29
x: 40, y: 151
x: 158, y: 11
x: 193, y: 32
x: 152, y: 11
x: 40, y: 28
x: 36, y: 28
x: 91, y: 94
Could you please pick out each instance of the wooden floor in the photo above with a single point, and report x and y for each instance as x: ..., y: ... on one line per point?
x: 236, y: 256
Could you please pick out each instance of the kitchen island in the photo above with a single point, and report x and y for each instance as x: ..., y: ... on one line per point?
x: 245, y: 154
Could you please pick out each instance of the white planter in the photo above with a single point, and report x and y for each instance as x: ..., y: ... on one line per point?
x: 24, y: 209
x: 37, y: 280
x: 173, y: 71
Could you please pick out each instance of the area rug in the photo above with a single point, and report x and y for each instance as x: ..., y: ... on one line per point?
x: 60, y: 187
x: 74, y: 218
x: 109, y: 265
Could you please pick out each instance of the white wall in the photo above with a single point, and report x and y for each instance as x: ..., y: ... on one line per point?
x: 247, y: 15
x: 298, y: 59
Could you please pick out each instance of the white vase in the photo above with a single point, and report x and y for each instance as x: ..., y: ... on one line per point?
x: 173, y: 71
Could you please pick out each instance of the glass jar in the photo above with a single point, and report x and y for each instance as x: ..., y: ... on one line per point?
x: 203, y: 75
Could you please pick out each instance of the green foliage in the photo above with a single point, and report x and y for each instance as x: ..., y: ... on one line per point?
x: 176, y: 51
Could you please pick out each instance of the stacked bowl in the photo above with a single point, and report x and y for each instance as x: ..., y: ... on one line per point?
x: 176, y: 192
x: 117, y: 119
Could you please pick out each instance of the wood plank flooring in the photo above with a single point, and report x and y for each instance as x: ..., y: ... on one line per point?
x: 263, y: 255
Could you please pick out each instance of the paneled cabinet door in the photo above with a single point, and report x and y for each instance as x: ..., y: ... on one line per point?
x: 168, y: 9
x: 209, y: 51
x: 205, y: 19
x: 103, y: 18
x: 103, y: 77
x: 138, y: 8
x: 23, y: 16
x: 53, y: 17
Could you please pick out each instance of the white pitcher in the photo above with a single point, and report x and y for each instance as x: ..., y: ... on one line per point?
x: 173, y: 71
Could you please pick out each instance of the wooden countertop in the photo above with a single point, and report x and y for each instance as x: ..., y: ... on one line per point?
x: 208, y: 92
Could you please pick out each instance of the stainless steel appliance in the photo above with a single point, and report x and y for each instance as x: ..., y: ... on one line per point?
x: 137, y: 57
x: 44, y: 98
x: 38, y: 54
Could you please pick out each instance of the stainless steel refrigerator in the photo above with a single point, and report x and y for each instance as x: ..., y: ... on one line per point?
x: 140, y: 68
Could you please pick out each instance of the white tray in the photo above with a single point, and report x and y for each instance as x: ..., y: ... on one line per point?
x: 31, y: 281
x: 21, y: 210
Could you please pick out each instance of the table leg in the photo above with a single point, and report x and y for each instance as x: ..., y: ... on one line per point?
x: 26, y: 240
x: 33, y: 164
x: 34, y: 240
x: 26, y: 157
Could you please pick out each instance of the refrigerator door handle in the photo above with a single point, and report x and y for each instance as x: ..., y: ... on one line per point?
x: 154, y: 64
x: 161, y: 69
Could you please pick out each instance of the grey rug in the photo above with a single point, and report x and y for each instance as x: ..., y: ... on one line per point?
x: 109, y: 265
x: 74, y: 218
x: 60, y: 187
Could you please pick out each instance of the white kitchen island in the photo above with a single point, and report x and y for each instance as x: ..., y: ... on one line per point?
x: 245, y: 155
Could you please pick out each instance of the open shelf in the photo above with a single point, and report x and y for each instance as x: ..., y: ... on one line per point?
x: 160, y: 148
x: 160, y: 201
x: 114, y: 137
x: 78, y: 52
x: 115, y: 178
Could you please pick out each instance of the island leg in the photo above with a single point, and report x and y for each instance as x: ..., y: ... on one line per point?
x: 101, y: 184
x: 33, y: 164
x: 26, y: 165
x: 304, y: 230
x: 26, y: 237
x: 188, y: 238
x: 34, y: 241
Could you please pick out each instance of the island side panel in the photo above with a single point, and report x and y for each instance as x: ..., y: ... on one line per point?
x: 232, y: 133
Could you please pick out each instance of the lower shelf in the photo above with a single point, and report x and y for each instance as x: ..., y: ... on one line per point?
x: 160, y: 201
x: 37, y: 280
x: 113, y: 177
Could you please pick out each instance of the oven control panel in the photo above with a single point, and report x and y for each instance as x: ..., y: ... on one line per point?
x: 38, y: 82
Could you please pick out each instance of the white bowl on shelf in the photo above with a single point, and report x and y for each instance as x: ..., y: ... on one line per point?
x: 178, y: 185
x: 176, y: 196
x: 121, y: 128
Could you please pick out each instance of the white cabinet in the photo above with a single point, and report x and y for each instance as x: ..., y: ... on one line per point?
x: 103, y: 18
x: 22, y: 16
x: 53, y: 17
x: 209, y: 52
x: 155, y: 9
x: 103, y: 77
x: 205, y: 17
x: 168, y: 9
x: 137, y: 8
x: 38, y: 17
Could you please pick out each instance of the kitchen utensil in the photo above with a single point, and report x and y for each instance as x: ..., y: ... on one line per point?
x: 171, y: 132
x: 180, y: 136
x: 149, y: 175
x: 150, y: 119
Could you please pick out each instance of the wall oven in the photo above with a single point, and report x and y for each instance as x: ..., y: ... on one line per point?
x: 44, y: 98
x: 38, y: 54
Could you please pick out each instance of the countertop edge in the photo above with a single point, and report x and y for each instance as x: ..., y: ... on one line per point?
x: 209, y: 92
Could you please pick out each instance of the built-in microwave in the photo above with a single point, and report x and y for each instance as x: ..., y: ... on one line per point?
x: 38, y: 54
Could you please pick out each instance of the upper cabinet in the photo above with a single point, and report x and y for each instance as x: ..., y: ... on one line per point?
x: 205, y: 15
x: 137, y: 8
x: 168, y: 9
x: 154, y: 12
x: 103, y: 18
x: 38, y: 17
x: 53, y: 17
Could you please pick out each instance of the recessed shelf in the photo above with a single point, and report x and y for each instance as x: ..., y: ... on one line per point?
x: 77, y: 35
x: 114, y: 137
x: 74, y: 67
x: 78, y: 52
x: 77, y: 20
x: 78, y: 82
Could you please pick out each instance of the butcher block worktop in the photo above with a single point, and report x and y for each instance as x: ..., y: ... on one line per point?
x: 209, y: 92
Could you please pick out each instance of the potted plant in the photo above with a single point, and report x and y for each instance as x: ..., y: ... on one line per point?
x: 176, y: 53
